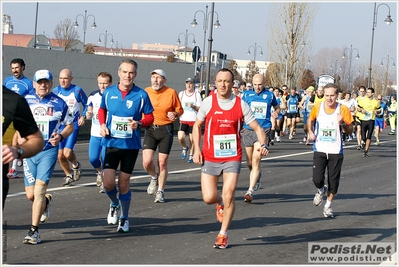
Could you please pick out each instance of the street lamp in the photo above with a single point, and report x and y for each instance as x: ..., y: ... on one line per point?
x: 106, y: 34
x: 388, y: 21
x: 350, y: 61
x: 386, y: 74
x: 117, y: 46
x: 255, y: 47
x: 205, y: 25
x: 186, y: 35
x: 85, y: 17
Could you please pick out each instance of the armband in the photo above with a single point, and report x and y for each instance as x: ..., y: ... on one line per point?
x: 61, y: 138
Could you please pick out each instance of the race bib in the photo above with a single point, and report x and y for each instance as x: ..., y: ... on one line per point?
x: 367, y: 115
x: 43, y: 123
x: 225, y: 145
x: 120, y: 127
x: 292, y: 108
x: 327, y: 132
x: 95, y: 119
x: 259, y: 109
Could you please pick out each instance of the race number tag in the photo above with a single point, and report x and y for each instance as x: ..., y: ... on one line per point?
x: 259, y: 109
x: 43, y: 123
x: 292, y: 108
x: 367, y: 115
x: 225, y: 145
x: 95, y: 119
x: 120, y: 127
x: 327, y: 132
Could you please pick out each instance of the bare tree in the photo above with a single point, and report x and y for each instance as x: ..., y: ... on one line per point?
x: 273, y: 77
x: 289, y: 43
x: 252, y: 69
x: 171, y: 58
x: 233, y: 67
x: 89, y: 49
x: 66, y: 35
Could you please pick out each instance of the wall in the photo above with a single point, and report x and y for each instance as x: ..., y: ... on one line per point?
x: 85, y: 67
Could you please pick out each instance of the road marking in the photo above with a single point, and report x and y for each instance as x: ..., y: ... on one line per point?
x: 178, y: 171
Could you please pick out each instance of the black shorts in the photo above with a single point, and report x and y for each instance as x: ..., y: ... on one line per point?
x: 333, y: 163
x: 187, y: 129
x: 127, y: 158
x: 291, y: 115
x: 159, y: 136
x: 367, y: 128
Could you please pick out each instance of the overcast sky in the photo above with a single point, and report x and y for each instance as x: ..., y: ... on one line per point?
x: 336, y: 25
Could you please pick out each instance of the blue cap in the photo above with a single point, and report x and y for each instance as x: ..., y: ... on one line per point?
x: 43, y: 75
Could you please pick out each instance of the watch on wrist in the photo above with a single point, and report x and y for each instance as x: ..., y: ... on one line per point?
x: 20, y: 151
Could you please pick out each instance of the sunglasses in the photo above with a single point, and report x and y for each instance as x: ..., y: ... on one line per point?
x: 379, y: 99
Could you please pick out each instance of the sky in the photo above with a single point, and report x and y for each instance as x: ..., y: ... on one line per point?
x: 335, y: 25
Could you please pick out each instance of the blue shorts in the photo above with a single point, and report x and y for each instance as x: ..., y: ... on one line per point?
x: 40, y: 166
x: 379, y: 123
x: 305, y: 117
x: 70, y: 141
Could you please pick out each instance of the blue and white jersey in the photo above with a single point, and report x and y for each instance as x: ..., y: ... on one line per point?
x: 120, y: 111
x: 307, y: 108
x: 292, y: 104
x: 94, y: 101
x: 22, y: 86
x: 49, y: 112
x: 261, y: 106
x: 72, y: 97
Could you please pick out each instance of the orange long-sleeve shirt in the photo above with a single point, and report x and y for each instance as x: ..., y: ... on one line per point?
x: 163, y: 101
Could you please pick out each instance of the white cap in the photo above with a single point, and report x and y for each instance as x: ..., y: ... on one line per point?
x: 160, y: 72
x: 42, y: 75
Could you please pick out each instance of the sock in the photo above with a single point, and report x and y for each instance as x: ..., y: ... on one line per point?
x: 112, y: 196
x: 34, y: 228
x: 155, y: 177
x: 251, y: 190
x: 14, y: 164
x: 160, y: 190
x: 328, y: 204
x: 125, y: 204
x: 223, y: 232
x: 321, y: 190
x: 272, y: 133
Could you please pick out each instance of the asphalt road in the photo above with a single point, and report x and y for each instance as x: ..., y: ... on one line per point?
x: 274, y: 229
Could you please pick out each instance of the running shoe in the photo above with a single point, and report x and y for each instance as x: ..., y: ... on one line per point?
x: 222, y: 241
x: 391, y: 133
x: 278, y: 139
x: 159, y: 197
x: 219, y: 213
x: 258, y: 183
x: 318, y: 198
x: 248, y: 196
x: 272, y: 142
x: 12, y: 173
x: 184, y: 153
x: 190, y: 159
x: 33, y: 237
x: 101, y: 189
x: 113, y: 214
x: 305, y: 139
x: 67, y: 181
x: 290, y: 136
x: 19, y: 163
x: 377, y: 143
x: 46, y: 212
x: 153, y: 185
x: 123, y: 226
x: 77, y: 173
x: 365, y: 154
x: 327, y: 212
x: 362, y: 145
x: 359, y: 147
x: 99, y: 179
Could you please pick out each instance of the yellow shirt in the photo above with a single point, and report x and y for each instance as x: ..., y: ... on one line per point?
x: 369, y: 105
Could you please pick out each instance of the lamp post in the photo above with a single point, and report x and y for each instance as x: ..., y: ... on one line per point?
x: 350, y: 61
x: 85, y: 17
x: 255, y: 47
x: 117, y: 46
x: 388, y: 21
x: 106, y: 34
x: 387, y: 74
x: 205, y: 25
x: 186, y: 35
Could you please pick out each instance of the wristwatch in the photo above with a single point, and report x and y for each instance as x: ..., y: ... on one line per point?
x: 20, y: 151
